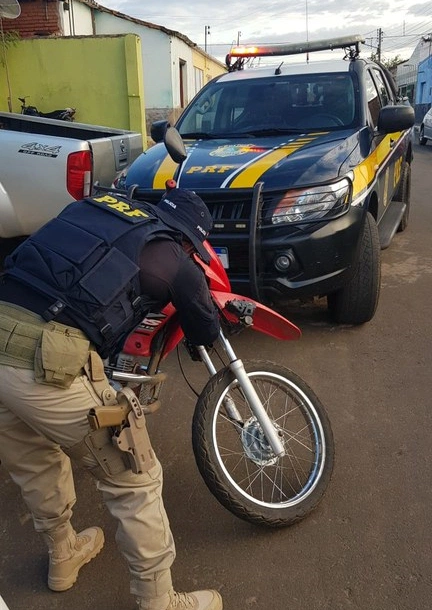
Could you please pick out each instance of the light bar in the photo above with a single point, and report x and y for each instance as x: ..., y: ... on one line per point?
x: 296, y: 48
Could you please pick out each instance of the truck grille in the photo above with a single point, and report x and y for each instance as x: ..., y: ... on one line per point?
x: 231, y: 212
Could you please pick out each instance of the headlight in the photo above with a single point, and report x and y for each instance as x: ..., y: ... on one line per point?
x: 314, y: 203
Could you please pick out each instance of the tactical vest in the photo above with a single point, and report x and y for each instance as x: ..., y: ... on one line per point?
x: 86, y: 261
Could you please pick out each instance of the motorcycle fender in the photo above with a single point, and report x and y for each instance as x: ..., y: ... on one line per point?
x: 265, y: 320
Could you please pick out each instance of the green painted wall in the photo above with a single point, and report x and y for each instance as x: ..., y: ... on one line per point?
x: 100, y: 76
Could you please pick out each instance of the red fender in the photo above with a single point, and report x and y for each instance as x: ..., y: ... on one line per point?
x: 265, y: 320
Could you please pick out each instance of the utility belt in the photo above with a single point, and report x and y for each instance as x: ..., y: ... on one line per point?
x: 58, y: 354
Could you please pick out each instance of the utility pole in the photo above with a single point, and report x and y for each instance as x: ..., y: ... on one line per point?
x: 238, y: 38
x: 379, y: 44
x: 207, y: 32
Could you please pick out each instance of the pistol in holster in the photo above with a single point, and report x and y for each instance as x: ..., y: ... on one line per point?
x: 127, y: 420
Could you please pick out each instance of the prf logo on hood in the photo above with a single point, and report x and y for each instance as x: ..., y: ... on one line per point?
x: 232, y: 150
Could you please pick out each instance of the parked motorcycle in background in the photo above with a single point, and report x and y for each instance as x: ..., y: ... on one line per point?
x: 261, y: 437
x: 63, y: 114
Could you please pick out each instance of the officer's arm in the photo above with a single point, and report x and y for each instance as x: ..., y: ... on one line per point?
x: 199, y: 318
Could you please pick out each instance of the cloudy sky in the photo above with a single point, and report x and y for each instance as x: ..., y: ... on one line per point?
x: 402, y: 22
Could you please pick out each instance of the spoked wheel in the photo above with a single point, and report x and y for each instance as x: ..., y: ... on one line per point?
x: 236, y: 461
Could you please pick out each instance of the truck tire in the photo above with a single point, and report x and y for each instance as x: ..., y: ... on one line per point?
x: 403, y: 193
x: 422, y: 139
x: 357, y: 301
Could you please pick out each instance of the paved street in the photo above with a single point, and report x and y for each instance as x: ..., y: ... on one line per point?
x: 367, y: 546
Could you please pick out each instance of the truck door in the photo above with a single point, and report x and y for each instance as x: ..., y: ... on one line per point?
x: 388, y: 154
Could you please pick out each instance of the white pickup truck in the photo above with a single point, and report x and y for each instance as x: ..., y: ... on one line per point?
x: 45, y: 164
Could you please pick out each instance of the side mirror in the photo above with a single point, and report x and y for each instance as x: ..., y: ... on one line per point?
x: 158, y: 130
x: 395, y: 118
x: 175, y: 145
x: 162, y: 131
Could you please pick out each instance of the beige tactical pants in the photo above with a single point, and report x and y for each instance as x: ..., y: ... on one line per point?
x: 35, y: 422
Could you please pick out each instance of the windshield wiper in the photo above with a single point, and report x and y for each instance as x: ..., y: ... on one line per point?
x: 269, y: 131
x: 198, y: 135
x: 209, y: 136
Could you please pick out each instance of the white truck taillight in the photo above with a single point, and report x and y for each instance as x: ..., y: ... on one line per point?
x: 79, y: 174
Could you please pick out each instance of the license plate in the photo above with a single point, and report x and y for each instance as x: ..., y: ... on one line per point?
x: 223, y: 255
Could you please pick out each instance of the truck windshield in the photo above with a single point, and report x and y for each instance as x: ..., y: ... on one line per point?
x: 290, y: 103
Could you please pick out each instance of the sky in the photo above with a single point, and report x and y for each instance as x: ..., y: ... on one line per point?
x: 215, y: 25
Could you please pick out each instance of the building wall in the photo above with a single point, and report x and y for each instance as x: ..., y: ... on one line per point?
x: 155, y: 53
x: 37, y: 18
x: 100, y: 76
x: 423, y: 89
x: 173, y: 69
x: 182, y: 73
x: 168, y: 64
x: 204, y: 62
x: 411, y: 82
x: 76, y: 19
x: 424, y: 82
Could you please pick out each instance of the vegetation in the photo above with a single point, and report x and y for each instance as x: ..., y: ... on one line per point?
x: 388, y: 63
x: 7, y: 39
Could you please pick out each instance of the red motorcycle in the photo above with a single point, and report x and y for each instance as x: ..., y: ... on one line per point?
x: 261, y: 438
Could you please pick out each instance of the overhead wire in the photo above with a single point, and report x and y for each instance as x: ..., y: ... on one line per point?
x: 390, y: 41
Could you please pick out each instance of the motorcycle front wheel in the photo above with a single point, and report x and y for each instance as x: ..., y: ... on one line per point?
x: 237, y: 463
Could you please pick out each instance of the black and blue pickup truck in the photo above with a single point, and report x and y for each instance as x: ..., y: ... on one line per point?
x: 305, y: 168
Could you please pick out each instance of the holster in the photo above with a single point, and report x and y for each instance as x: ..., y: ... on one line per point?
x: 122, y: 413
x: 130, y: 435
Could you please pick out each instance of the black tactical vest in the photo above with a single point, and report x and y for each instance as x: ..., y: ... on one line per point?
x: 86, y: 261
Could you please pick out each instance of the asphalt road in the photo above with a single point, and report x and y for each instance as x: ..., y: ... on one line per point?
x: 367, y: 546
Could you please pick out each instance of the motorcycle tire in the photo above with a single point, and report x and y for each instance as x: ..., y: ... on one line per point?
x: 236, y: 462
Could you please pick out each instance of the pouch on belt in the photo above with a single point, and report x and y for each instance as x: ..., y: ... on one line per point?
x: 56, y: 352
x: 18, y: 341
x: 60, y: 355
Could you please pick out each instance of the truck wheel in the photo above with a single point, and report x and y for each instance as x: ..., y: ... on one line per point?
x: 422, y: 139
x: 403, y: 193
x: 357, y: 301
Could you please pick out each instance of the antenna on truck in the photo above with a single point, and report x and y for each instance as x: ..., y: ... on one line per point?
x: 9, y: 9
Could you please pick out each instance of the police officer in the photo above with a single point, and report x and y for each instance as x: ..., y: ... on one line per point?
x: 70, y: 295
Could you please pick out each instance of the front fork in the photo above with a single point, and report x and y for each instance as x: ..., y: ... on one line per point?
x: 238, y: 369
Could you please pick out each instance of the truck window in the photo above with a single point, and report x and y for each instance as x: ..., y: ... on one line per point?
x: 202, y: 113
x: 309, y: 101
x: 383, y: 92
x: 373, y: 99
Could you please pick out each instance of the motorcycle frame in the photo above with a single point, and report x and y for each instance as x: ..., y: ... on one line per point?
x: 264, y: 320
x: 168, y: 337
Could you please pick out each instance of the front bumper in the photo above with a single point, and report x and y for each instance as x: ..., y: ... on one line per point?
x: 323, y: 253
x: 283, y: 262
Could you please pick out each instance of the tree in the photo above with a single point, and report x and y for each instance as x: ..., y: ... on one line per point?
x: 390, y: 64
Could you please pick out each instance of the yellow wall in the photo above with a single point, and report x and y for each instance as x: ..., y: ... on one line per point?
x: 210, y: 67
x: 100, y: 76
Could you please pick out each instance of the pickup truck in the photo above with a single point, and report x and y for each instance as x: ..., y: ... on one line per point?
x: 305, y: 168
x: 45, y: 164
